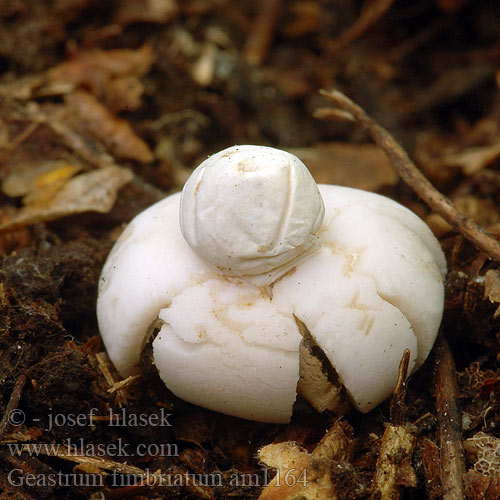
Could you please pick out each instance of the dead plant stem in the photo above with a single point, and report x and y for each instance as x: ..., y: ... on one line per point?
x: 410, y: 173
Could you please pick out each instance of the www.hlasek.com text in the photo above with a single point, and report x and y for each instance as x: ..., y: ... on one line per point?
x: 79, y: 447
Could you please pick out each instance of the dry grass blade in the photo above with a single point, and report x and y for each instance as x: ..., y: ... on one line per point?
x: 12, y: 404
x: 123, y: 384
x: 371, y: 12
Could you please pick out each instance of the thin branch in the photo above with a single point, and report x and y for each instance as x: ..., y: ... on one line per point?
x: 262, y: 32
x: 409, y: 172
x: 371, y: 12
x: 450, y: 424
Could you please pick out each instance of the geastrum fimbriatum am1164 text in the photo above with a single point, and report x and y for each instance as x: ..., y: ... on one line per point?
x: 252, y: 268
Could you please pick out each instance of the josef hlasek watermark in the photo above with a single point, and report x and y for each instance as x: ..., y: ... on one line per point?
x: 112, y: 419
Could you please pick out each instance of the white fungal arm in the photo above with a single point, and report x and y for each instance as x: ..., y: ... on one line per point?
x: 227, y: 347
x: 374, y: 289
x: 148, y: 266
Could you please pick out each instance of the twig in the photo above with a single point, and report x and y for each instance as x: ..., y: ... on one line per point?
x: 99, y: 463
x: 371, y: 12
x: 262, y: 32
x: 450, y: 424
x: 107, y: 371
x: 123, y: 384
x: 399, y: 394
x: 409, y: 172
x: 12, y: 404
x: 20, y: 138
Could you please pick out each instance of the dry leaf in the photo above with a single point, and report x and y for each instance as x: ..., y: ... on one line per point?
x: 482, y: 211
x: 472, y: 160
x: 94, y: 191
x: 299, y: 474
x: 307, y: 475
x: 91, y: 67
x: 87, y: 113
x: 360, y: 166
x: 480, y: 487
x: 124, y: 93
x: 104, y: 73
x: 41, y: 182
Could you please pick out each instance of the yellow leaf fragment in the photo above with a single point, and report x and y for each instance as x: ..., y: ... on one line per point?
x: 93, y: 191
x: 48, y: 184
x: 29, y: 177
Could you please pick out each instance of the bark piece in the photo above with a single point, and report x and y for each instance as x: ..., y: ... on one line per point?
x: 394, y: 467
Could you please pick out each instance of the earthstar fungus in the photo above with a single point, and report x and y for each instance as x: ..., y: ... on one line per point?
x: 252, y: 258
